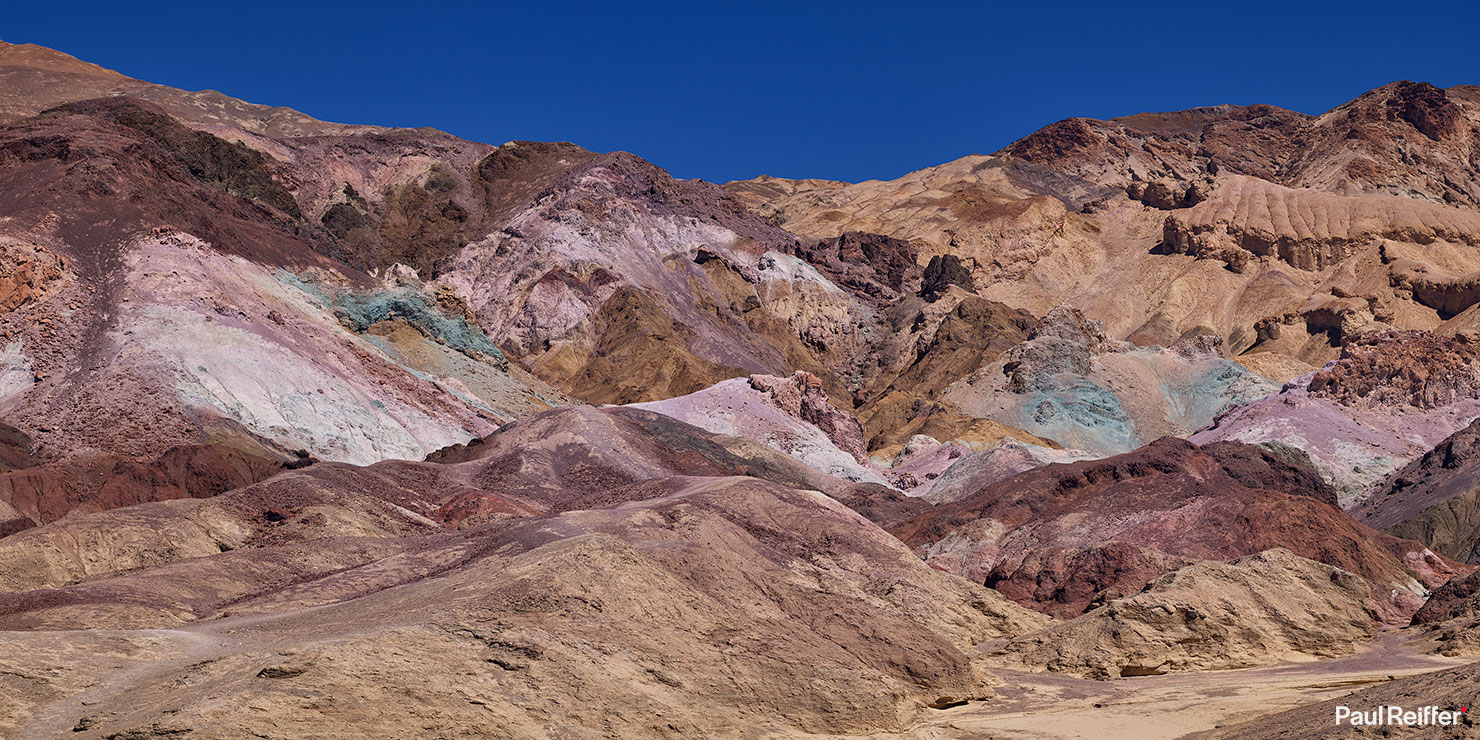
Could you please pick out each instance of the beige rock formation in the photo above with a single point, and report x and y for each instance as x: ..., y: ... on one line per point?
x: 1257, y: 610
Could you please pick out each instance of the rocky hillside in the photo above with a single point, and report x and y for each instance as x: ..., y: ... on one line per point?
x: 1255, y: 610
x: 320, y: 430
x: 1387, y: 399
x: 444, y: 286
x: 1434, y: 499
x: 610, y: 534
x: 1301, y: 229
x: 1061, y: 538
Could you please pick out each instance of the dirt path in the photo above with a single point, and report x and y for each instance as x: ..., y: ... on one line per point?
x: 175, y: 649
x: 57, y: 718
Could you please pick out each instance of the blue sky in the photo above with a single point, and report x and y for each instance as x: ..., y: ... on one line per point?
x: 725, y: 91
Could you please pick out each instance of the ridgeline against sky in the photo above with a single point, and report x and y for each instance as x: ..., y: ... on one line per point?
x: 836, y: 90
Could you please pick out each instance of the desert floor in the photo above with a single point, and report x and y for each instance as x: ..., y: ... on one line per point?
x: 1039, y: 706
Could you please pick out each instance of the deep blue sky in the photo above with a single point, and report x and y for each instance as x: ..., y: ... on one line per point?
x: 735, y: 89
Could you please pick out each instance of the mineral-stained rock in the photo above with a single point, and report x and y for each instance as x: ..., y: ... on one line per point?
x: 1063, y: 582
x: 1460, y: 597
x: 563, y: 460
x: 1389, y: 398
x: 1070, y: 383
x: 278, y: 455
x: 792, y: 415
x: 575, y: 457
x: 1287, y: 210
x: 939, y: 343
x: 178, y: 301
x: 801, y: 396
x: 1451, y: 617
x: 875, y: 267
x: 26, y: 273
x: 619, y: 283
x: 972, y: 471
x: 1401, y: 369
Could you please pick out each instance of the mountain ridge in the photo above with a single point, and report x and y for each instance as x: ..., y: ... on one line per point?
x: 308, y: 425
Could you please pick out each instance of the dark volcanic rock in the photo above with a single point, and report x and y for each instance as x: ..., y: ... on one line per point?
x: 1272, y: 466
x: 230, y: 167
x: 877, y: 268
x: 944, y: 271
x: 423, y: 222
x: 1460, y: 597
x: 113, y: 169
x: 16, y: 449
x: 1405, y: 138
x: 1434, y: 499
x: 1064, y: 582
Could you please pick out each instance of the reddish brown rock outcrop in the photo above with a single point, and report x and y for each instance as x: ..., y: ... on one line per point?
x: 1064, y: 582
x: 48, y: 492
x: 1408, y: 138
x: 16, y: 449
x: 1451, y: 618
x: 1406, y: 368
x: 877, y: 268
x: 25, y: 273
x: 1178, y: 500
x: 1460, y: 597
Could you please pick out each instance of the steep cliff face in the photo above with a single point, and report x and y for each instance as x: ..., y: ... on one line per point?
x: 1246, y: 218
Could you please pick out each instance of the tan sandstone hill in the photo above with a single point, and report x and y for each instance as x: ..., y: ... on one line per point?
x: 1257, y: 610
